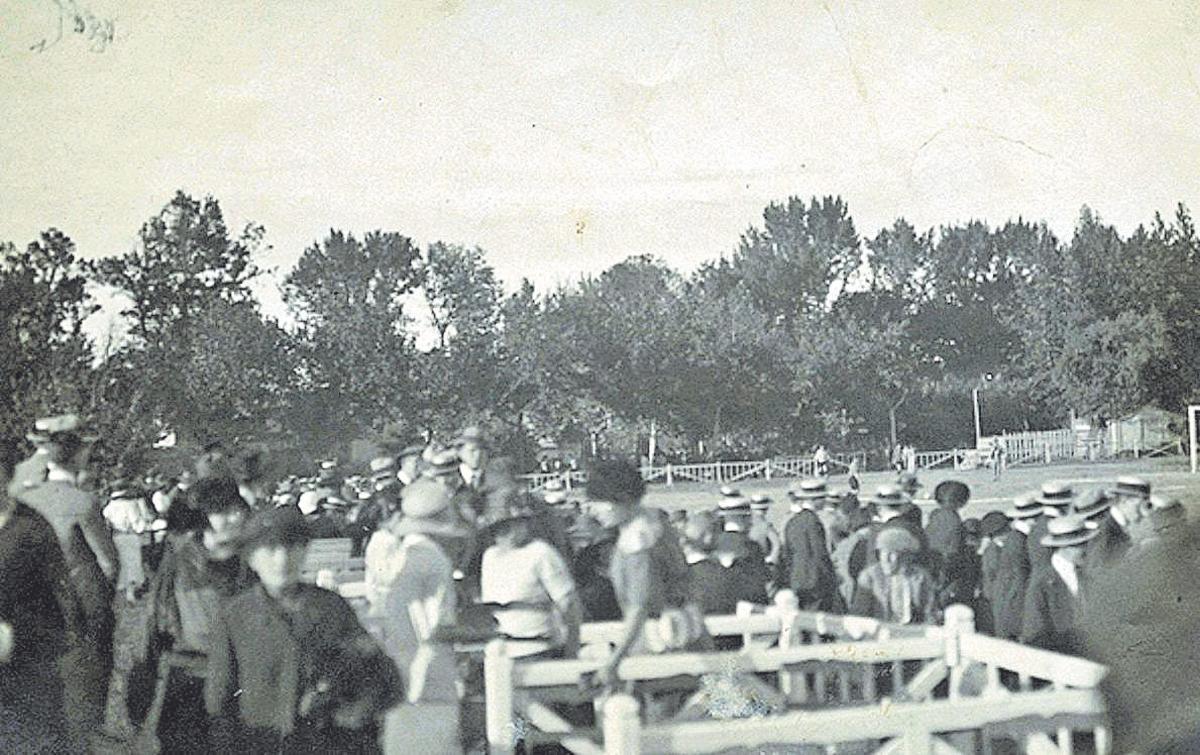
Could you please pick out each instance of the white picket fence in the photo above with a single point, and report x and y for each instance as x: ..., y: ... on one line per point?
x: 837, y: 681
x: 717, y: 472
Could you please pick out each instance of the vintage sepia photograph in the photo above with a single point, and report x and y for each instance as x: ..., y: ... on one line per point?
x: 580, y: 376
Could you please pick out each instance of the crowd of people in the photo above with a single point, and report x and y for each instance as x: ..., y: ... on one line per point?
x: 236, y: 651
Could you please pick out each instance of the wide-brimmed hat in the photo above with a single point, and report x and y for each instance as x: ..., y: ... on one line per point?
x: 889, y: 496
x: 46, y: 428
x: 952, y: 494
x: 733, y: 506
x: 1069, y: 529
x: 1025, y: 506
x: 896, y: 539
x: 423, y: 506
x: 1164, y: 511
x: 1093, y: 504
x: 471, y: 434
x: 383, y: 469
x: 1131, y: 487
x: 1056, y: 498
x: 284, y: 526
x: 760, y: 502
x: 993, y: 523
x: 809, y: 490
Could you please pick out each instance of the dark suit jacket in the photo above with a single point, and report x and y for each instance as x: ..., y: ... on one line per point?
x: 944, y: 532
x: 1006, y: 574
x: 1039, y: 555
x: 805, y: 564
x: 1049, y: 619
x: 266, y: 654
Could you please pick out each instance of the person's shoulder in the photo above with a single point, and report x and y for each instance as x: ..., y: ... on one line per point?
x: 321, y: 600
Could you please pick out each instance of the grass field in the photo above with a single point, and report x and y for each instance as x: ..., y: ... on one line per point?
x: 1169, y: 475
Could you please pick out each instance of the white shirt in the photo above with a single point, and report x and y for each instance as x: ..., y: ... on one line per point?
x: 1066, y: 570
x: 534, y: 573
x: 470, y: 475
x: 128, y: 515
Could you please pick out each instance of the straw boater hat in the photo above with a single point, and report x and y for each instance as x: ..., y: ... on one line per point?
x: 1093, y: 504
x: 383, y: 469
x: 809, y: 491
x: 760, y: 502
x: 897, y: 540
x: 423, y: 508
x: 1131, y: 487
x: 1068, y: 530
x: 889, y: 496
x: 1025, y: 506
x: 1056, y: 498
x: 732, y: 510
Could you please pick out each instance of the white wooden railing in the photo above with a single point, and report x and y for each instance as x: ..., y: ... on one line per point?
x: 944, y: 691
x: 717, y: 472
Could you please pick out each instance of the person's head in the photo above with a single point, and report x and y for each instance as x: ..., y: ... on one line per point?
x: 896, y: 547
x: 615, y: 488
x: 222, y: 505
x: 425, y: 508
x: 443, y: 468
x: 908, y: 482
x: 272, y: 544
x: 1068, y: 535
x: 1130, y: 497
x: 409, y: 459
x: 472, y: 448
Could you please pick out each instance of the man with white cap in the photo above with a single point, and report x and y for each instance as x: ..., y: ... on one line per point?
x: 1055, y: 596
x: 91, y: 556
x: 805, y: 566
x: 762, y: 531
x: 896, y: 588
x: 1056, y: 499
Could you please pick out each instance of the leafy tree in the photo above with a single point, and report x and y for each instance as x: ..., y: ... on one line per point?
x: 44, y: 301
x: 355, y: 353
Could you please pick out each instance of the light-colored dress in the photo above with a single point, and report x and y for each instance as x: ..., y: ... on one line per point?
x: 411, y: 590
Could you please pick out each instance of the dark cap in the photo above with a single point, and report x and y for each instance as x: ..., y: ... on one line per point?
x: 284, y: 526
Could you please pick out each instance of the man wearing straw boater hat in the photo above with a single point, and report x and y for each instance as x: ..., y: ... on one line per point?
x: 894, y: 508
x: 762, y: 531
x: 1111, y: 541
x: 91, y: 557
x: 1056, y: 592
x: 1056, y: 499
x: 804, y: 563
x: 745, y: 573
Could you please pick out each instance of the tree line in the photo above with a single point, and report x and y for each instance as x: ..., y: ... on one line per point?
x: 804, y: 332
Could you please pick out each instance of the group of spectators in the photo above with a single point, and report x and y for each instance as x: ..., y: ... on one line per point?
x: 237, y: 652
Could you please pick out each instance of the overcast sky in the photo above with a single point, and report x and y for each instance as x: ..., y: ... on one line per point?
x: 563, y: 137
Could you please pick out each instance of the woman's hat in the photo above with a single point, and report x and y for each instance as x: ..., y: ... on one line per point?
x: 889, y: 496
x: 472, y: 434
x: 1093, y: 504
x: 274, y: 527
x: 993, y: 523
x: 1069, y: 529
x: 1056, y: 498
x: 952, y: 494
x: 896, y: 540
x: 1025, y: 506
x: 423, y: 508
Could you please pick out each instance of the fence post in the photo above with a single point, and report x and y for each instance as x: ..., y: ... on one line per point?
x: 956, y: 460
x: 1047, y: 453
x: 767, y: 469
x: 960, y: 620
x: 498, y: 696
x: 567, y: 478
x: 621, y: 727
x: 670, y: 475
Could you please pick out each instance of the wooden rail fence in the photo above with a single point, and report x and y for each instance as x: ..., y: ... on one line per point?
x: 843, y: 681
